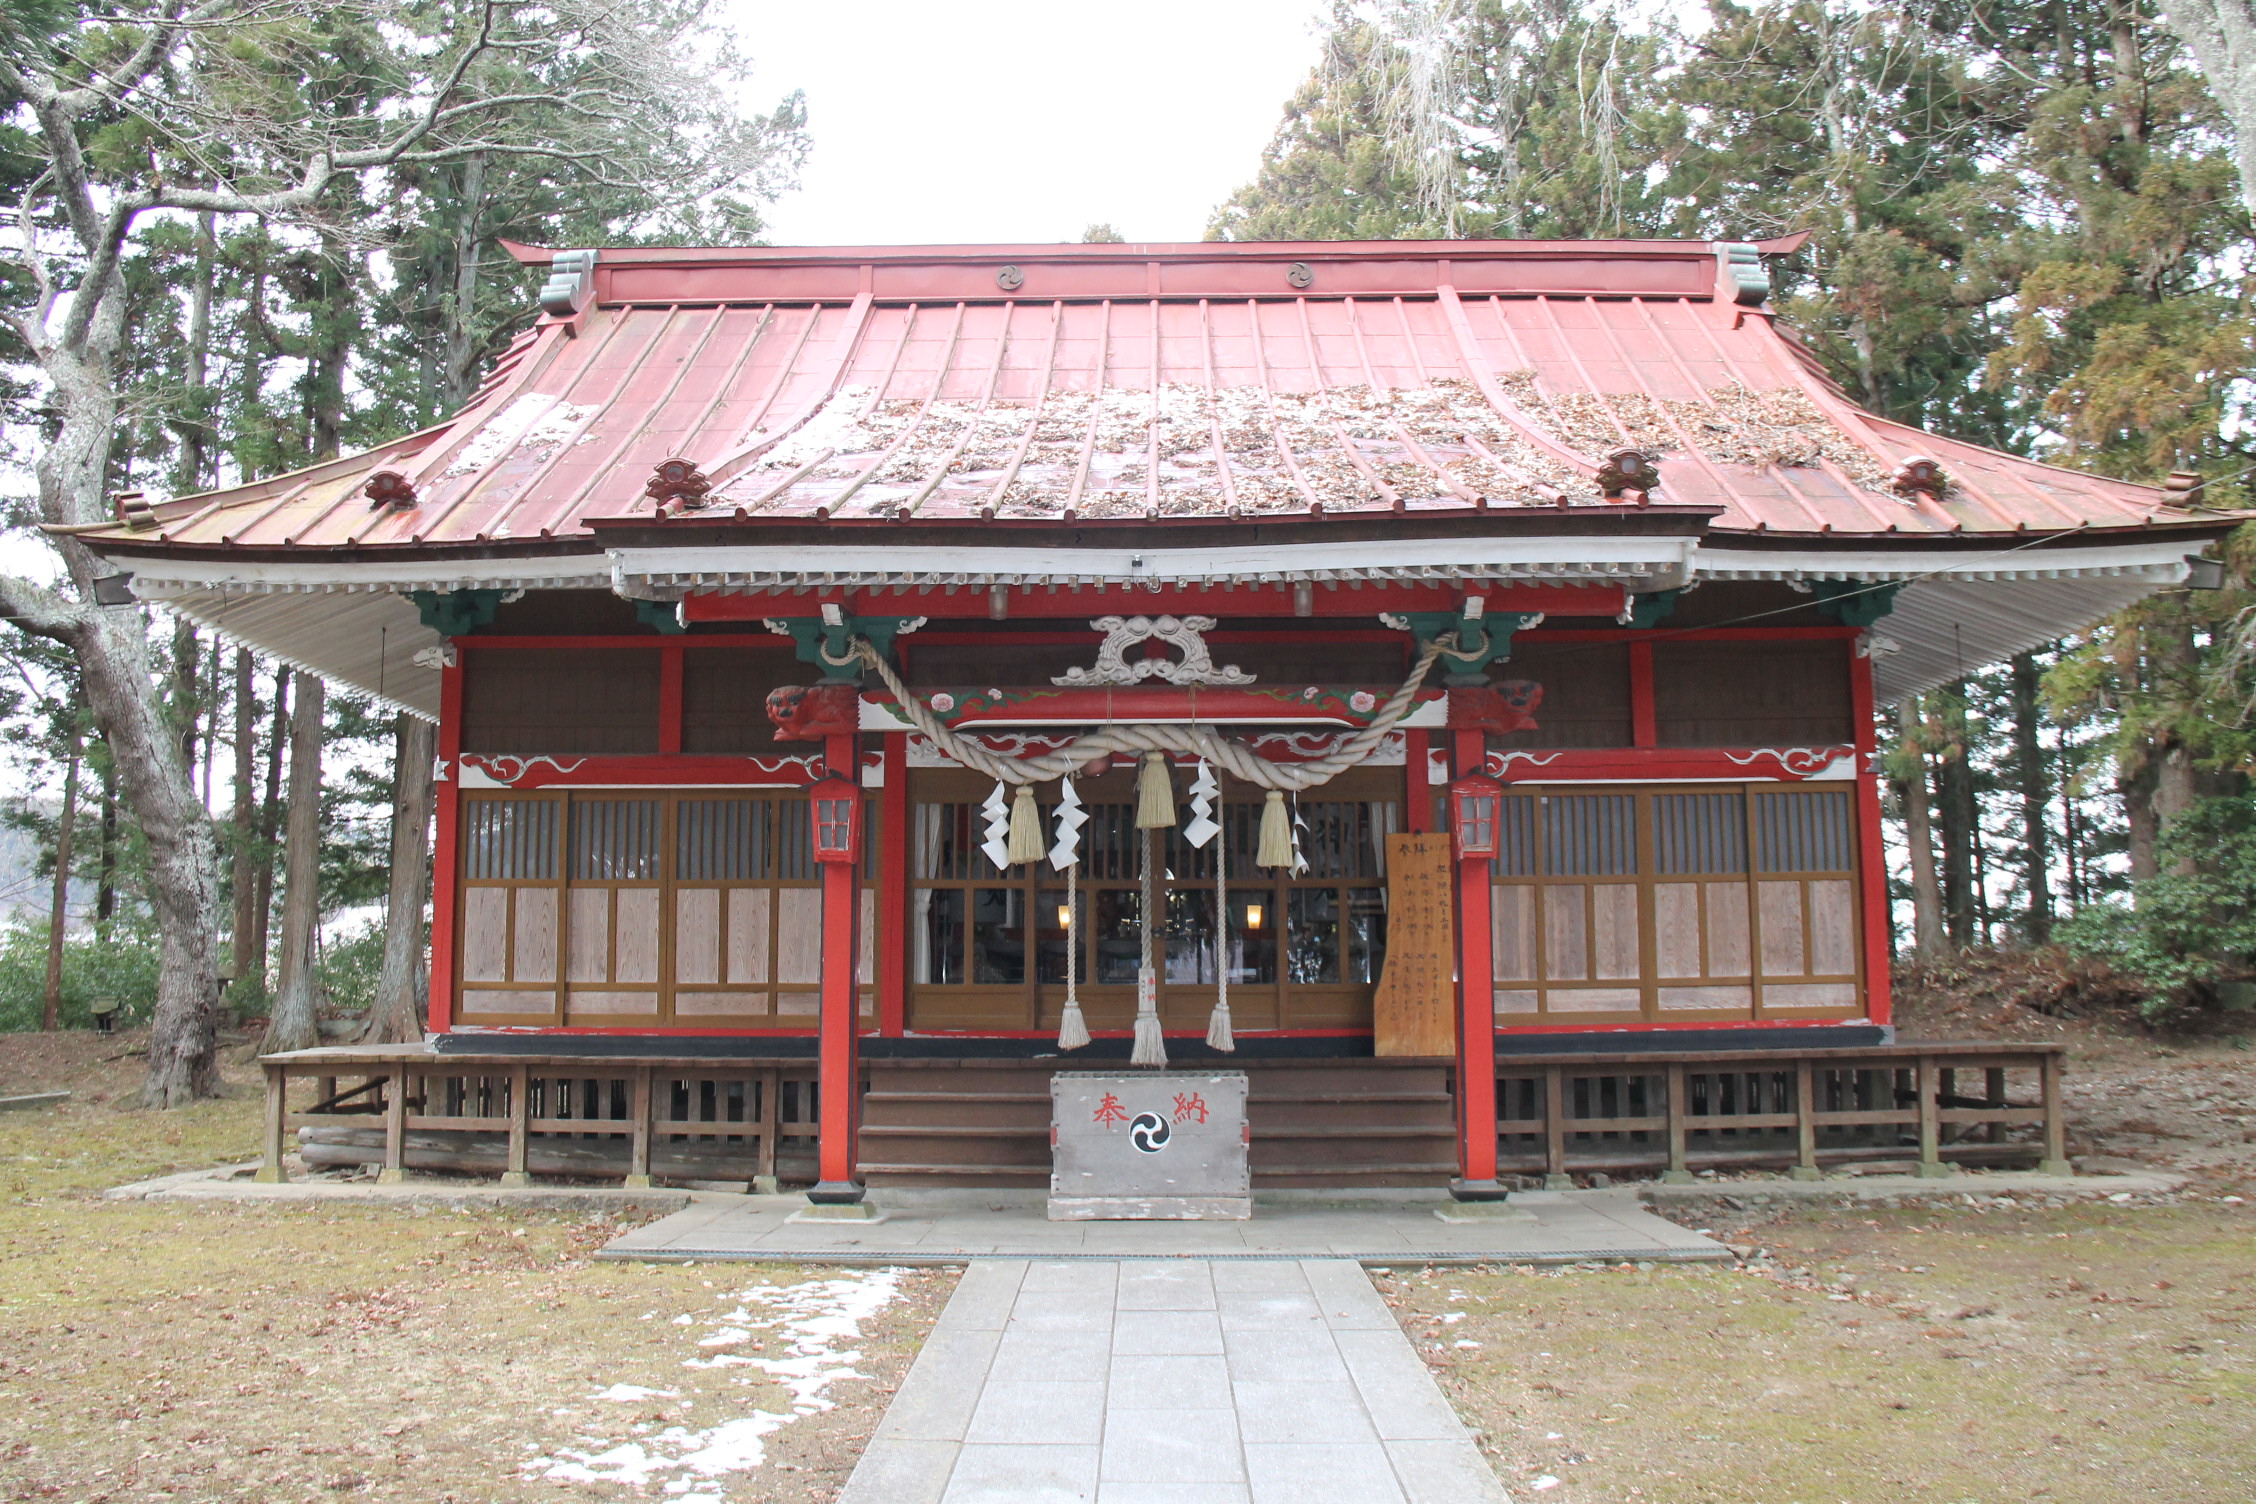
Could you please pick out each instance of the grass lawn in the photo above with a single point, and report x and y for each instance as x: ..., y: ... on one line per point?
x: 2088, y: 1353
x: 190, y: 1352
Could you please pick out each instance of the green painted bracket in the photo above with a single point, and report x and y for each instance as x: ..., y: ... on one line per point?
x: 1484, y: 639
x: 457, y: 613
x: 1855, y: 603
x: 664, y: 615
x: 811, y: 635
x: 1652, y: 608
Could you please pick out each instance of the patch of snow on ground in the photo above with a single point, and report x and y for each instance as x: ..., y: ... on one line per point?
x: 816, y: 1319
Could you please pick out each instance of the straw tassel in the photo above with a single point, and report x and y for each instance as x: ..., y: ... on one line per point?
x: 1150, y: 1047
x: 1155, y: 795
x: 1025, y: 827
x: 1276, y: 847
x: 1073, y: 1031
x: 1218, y: 1035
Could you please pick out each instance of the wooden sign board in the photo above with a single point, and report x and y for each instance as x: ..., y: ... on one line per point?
x: 1415, y: 1012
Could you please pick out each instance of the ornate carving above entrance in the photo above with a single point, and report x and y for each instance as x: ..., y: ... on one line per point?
x: 1184, y: 633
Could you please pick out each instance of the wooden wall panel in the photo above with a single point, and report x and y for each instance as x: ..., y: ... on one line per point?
x: 865, y: 966
x: 485, y: 935
x: 725, y: 696
x: 1594, y: 1000
x: 748, y: 951
x: 1708, y: 999
x: 697, y: 937
x: 1614, y: 933
x: 485, y: 1002
x: 1676, y: 929
x: 535, y: 700
x: 1585, y: 693
x: 1832, y: 927
x: 533, y: 941
x: 798, y: 935
x: 721, y: 1005
x: 1515, y: 1000
x: 1752, y: 694
x: 1512, y: 916
x: 1784, y: 951
x: 1729, y: 953
x: 1566, y: 932
x: 590, y: 930
x: 635, y: 953
x: 1810, y: 995
x: 610, y: 1003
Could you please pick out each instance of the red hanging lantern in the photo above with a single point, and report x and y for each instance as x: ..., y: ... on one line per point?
x: 838, y: 820
x: 1474, y: 806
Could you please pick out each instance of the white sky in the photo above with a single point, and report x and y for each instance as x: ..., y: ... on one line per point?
x: 946, y: 120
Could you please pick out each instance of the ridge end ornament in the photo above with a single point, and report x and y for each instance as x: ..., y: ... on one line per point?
x: 1184, y: 633
x: 680, y: 482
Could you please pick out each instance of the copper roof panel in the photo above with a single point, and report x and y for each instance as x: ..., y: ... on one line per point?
x: 1404, y: 378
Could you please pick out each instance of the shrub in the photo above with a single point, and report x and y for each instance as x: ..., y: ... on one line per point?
x: 2182, y: 930
x: 122, y: 966
x: 350, y: 968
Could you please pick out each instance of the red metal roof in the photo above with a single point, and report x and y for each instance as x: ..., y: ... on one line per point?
x: 1102, y: 383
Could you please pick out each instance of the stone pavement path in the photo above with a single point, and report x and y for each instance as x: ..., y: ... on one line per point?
x: 1175, y: 1381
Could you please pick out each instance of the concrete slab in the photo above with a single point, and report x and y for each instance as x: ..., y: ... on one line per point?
x: 1207, y: 1383
x: 1559, y: 1227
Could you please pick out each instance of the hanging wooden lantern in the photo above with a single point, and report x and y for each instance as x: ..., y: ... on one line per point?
x: 1474, y: 804
x: 838, y: 824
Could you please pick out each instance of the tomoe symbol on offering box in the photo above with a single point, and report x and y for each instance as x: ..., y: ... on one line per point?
x: 1148, y: 1132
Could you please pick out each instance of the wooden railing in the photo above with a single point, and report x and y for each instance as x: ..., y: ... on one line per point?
x: 1796, y: 1109
x: 744, y: 1120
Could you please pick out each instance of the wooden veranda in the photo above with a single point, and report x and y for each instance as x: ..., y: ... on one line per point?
x: 1341, y: 1123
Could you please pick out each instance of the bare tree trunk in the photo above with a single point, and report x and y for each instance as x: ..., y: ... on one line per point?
x: 461, y: 368
x: 292, y: 1025
x: 1957, y: 815
x: 2221, y: 35
x: 397, y: 1015
x: 2036, y: 793
x: 270, y: 817
x: 105, y: 874
x: 2177, y: 782
x: 112, y: 649
x: 51, y: 1008
x: 242, y: 865
x: 186, y: 713
x: 1919, y: 835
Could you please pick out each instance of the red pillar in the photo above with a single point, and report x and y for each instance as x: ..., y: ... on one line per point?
x: 893, y: 890
x: 1872, y: 863
x: 1417, y: 785
x: 1476, y: 1009
x: 838, y: 1079
x: 446, y: 861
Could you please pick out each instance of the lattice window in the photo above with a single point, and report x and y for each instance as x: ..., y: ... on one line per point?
x: 1644, y: 905
x: 607, y: 908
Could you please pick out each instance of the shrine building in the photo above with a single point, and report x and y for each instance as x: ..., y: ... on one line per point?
x: 861, y: 672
